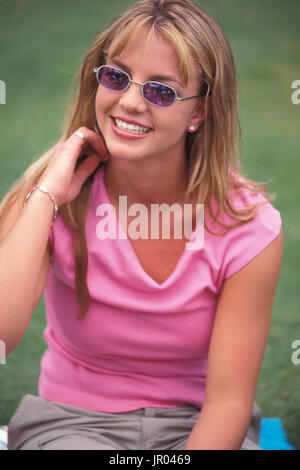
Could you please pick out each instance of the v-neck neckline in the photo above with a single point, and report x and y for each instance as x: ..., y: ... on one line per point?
x: 178, y: 267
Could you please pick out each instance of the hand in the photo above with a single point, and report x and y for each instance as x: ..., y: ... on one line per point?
x: 62, y: 177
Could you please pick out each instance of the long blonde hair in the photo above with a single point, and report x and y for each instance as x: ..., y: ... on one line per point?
x: 212, y: 153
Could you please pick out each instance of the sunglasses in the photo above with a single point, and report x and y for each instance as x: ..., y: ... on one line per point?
x: 154, y: 92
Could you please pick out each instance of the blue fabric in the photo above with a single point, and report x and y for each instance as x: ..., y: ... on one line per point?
x: 273, y: 436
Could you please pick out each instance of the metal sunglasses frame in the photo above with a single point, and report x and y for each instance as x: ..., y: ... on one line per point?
x: 176, y: 97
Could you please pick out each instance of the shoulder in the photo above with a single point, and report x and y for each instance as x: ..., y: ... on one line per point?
x: 241, y: 244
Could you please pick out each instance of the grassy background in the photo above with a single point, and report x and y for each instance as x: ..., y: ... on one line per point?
x: 41, y: 45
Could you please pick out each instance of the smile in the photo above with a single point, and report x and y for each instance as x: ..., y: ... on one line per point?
x: 134, y: 128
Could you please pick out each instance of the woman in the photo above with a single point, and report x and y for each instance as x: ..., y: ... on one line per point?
x: 152, y: 343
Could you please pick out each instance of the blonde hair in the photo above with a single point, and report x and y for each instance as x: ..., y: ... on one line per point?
x: 212, y: 153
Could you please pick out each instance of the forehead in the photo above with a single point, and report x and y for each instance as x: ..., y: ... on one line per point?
x: 155, y: 53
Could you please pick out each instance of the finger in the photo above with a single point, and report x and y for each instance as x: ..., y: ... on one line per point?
x: 94, y: 140
x: 87, y: 167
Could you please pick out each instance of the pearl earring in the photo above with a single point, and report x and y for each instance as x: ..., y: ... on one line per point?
x: 192, y: 128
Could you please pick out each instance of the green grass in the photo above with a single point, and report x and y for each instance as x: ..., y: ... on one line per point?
x: 42, y: 44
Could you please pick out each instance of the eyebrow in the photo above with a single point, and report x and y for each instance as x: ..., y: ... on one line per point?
x: 153, y: 77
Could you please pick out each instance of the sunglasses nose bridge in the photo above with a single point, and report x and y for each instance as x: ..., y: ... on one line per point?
x: 133, y: 100
x: 136, y: 83
x: 130, y: 81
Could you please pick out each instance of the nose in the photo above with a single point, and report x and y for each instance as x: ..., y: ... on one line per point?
x: 132, y: 98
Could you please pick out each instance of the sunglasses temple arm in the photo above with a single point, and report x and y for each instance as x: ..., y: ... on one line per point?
x: 189, y: 98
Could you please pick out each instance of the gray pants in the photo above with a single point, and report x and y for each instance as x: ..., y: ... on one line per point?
x: 39, y: 424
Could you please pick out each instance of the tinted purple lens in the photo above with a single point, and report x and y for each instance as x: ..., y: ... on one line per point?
x: 159, y: 94
x: 112, y: 78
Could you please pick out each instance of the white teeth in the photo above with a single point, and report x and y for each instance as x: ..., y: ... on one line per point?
x: 131, y: 127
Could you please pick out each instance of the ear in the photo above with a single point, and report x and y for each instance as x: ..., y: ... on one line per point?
x: 202, y: 111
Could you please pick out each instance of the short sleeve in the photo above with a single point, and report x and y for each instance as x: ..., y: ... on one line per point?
x: 245, y: 242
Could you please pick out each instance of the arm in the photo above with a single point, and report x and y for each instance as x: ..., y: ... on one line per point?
x: 24, y: 261
x: 236, y: 352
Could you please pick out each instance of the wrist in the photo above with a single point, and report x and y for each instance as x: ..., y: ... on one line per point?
x: 43, y: 189
x: 51, y: 190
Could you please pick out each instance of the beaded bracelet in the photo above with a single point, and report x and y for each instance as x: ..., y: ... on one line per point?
x: 44, y: 190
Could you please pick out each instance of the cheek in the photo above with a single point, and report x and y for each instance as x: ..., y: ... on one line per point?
x: 175, y: 123
x: 98, y: 104
x: 103, y: 101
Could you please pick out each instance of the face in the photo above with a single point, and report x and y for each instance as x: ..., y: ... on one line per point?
x: 166, y: 126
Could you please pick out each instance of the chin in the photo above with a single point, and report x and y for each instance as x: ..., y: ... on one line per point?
x: 118, y: 151
x: 122, y: 155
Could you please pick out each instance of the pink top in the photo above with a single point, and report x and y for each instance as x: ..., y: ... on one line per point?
x: 141, y: 344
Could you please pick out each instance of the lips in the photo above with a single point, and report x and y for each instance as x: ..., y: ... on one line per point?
x: 130, y: 126
x: 131, y: 134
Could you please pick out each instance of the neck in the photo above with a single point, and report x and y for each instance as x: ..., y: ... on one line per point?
x: 145, y: 183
